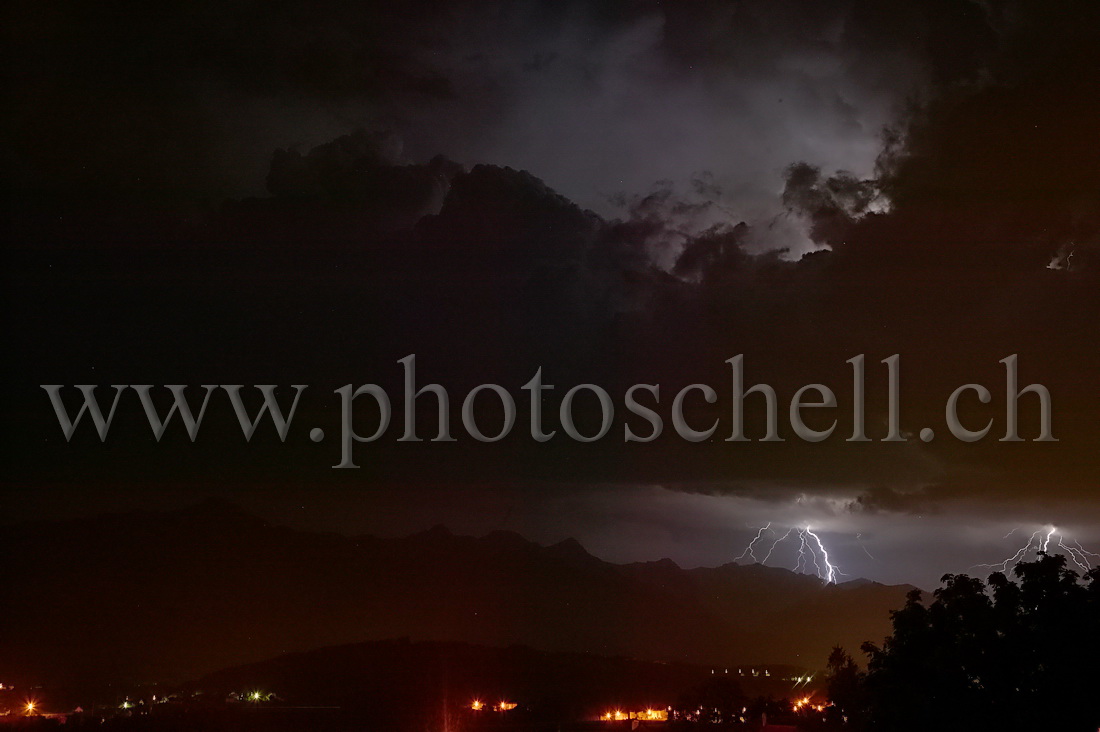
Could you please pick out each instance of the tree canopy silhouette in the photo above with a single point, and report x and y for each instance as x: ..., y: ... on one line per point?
x: 997, y: 655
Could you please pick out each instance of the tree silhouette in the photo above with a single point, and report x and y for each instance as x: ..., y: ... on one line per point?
x: 718, y: 699
x: 1007, y: 655
x: 847, y: 691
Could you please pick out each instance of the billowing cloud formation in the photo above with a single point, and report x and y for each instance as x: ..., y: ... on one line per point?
x: 597, y: 99
x: 639, y: 190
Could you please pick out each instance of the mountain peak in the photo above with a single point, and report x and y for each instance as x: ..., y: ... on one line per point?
x: 504, y: 539
x: 570, y: 548
x: 499, y: 589
x: 439, y: 531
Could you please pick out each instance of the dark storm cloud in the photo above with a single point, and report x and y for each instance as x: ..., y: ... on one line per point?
x: 360, y: 181
x: 711, y: 136
x: 596, y: 98
x: 643, y: 92
x: 923, y: 499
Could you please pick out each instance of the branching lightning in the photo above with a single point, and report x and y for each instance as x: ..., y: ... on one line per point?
x: 772, y: 549
x: 812, y: 558
x: 830, y: 571
x: 748, y: 549
x: 1040, y: 543
x: 801, y: 564
x: 1077, y: 554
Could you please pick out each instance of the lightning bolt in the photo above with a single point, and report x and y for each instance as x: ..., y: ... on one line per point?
x: 1018, y: 557
x: 1077, y: 554
x: 830, y: 571
x: 801, y: 564
x: 859, y: 538
x: 772, y: 549
x: 812, y: 558
x: 1046, y: 539
x: 1040, y: 543
x: 748, y: 549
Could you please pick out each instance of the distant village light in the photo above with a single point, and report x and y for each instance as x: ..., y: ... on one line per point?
x: 648, y: 715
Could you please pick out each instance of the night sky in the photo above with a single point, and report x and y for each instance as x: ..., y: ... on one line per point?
x: 623, y: 192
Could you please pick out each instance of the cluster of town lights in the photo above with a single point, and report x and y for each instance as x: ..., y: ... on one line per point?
x: 804, y: 703
x: 617, y: 715
x: 649, y: 715
x: 505, y: 706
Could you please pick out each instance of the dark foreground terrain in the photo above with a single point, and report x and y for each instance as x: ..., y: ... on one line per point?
x: 165, y: 597
x: 400, y: 685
